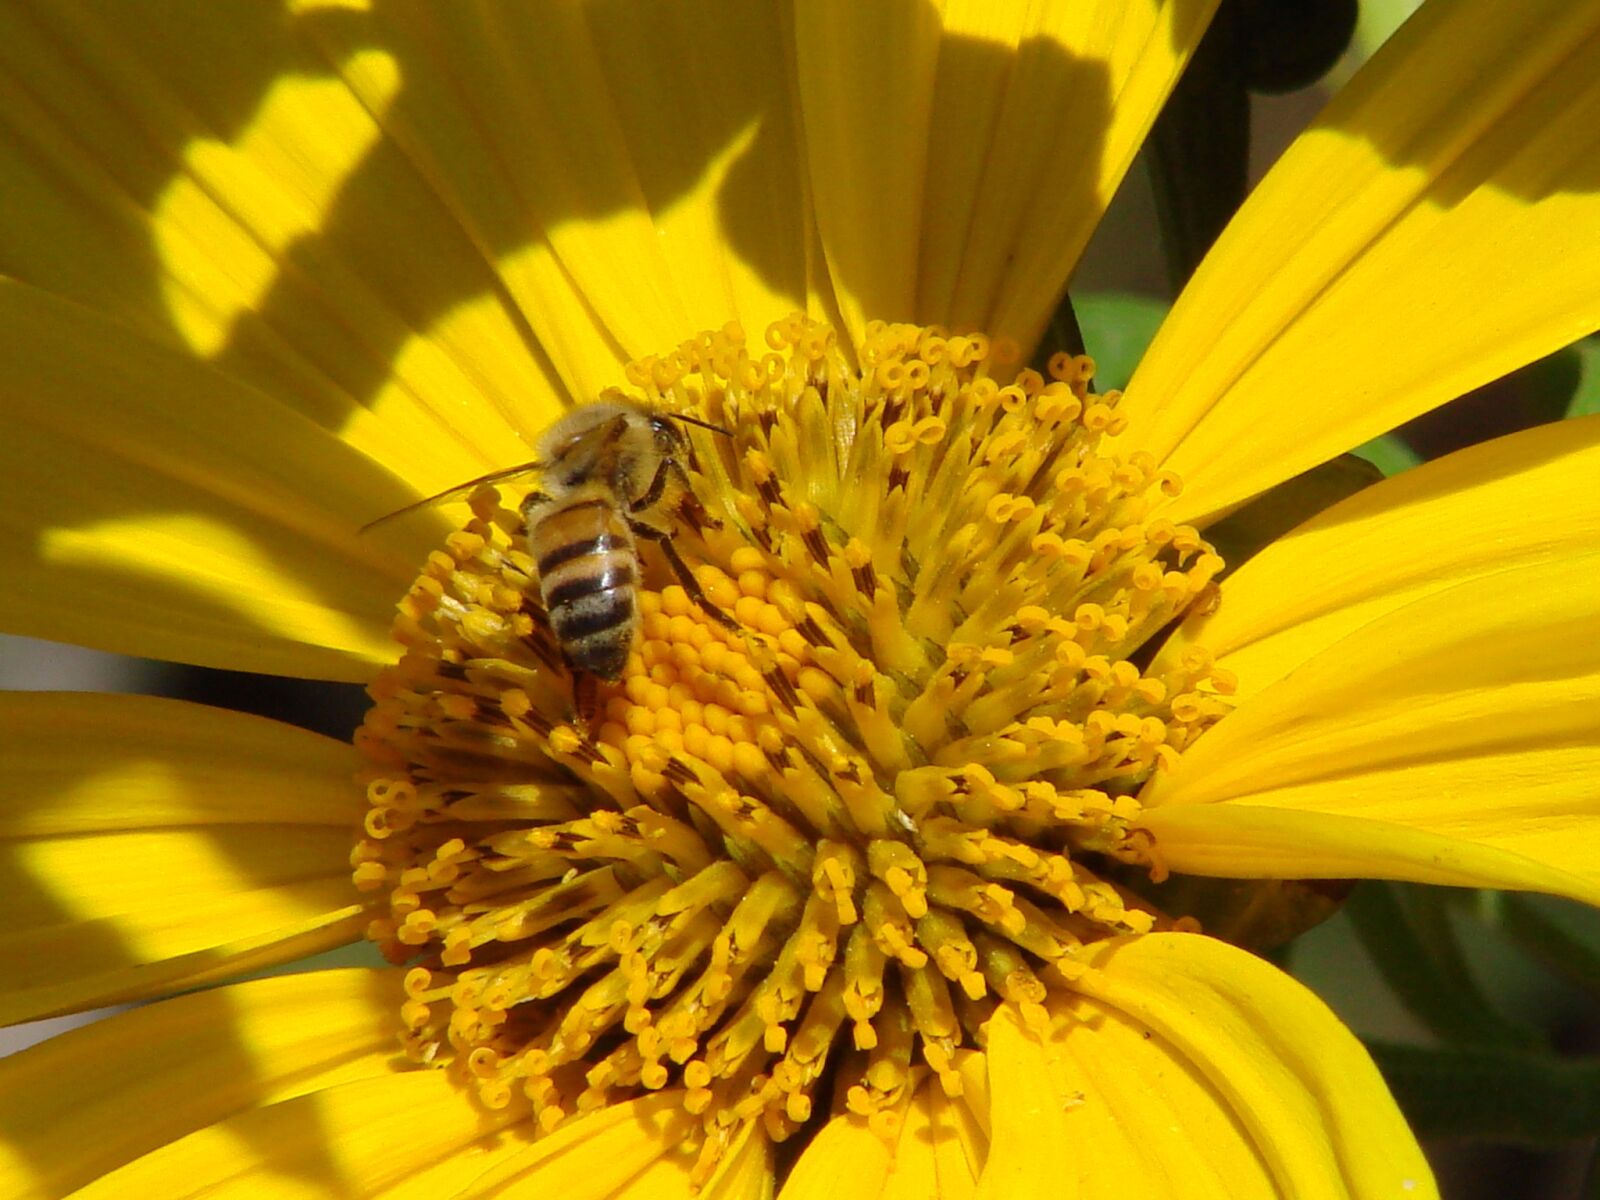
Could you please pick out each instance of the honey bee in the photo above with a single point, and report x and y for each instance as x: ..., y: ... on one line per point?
x: 607, y: 472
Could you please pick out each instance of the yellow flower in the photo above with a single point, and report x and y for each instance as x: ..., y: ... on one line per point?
x: 270, y: 274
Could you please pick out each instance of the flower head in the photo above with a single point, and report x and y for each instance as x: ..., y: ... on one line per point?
x: 854, y: 818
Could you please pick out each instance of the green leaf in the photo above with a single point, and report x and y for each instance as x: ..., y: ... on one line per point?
x: 1407, y: 932
x: 1379, y: 19
x: 1586, y: 396
x: 1492, y: 1093
x: 1549, y: 931
x: 1543, y: 389
x: 1117, y: 328
x: 1389, y: 453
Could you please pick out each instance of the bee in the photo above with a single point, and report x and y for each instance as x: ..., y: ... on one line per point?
x: 610, y: 473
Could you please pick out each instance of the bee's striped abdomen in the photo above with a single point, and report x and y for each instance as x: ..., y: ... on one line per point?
x: 588, y: 573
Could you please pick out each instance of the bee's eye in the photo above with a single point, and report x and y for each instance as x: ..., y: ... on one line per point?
x: 667, y: 434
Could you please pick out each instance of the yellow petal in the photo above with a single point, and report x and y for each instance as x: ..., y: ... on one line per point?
x: 632, y: 180
x: 1438, y: 226
x: 632, y: 1151
x: 960, y: 184
x: 745, y: 1172
x: 1528, y: 497
x: 328, y: 1139
x: 1114, y: 1113
x: 938, y: 1151
x: 960, y: 1141
x: 151, y: 844
x: 716, y: 157
x: 931, y: 1154
x: 593, y: 1160
x: 913, y: 1171
x: 113, y: 917
x: 214, y: 185
x: 844, y: 1161
x: 1148, y: 1120
x: 973, y: 1068
x: 1244, y: 1068
x: 1257, y: 841
x: 156, y: 508
x: 1453, y: 740
x: 82, y: 762
x: 601, y: 1154
x: 1028, y: 1119
x: 352, y: 1139
x: 84, y: 1103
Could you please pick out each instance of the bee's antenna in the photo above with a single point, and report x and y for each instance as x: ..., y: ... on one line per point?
x: 725, y: 432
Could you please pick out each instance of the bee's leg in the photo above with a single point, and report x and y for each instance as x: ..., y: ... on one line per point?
x: 692, y: 512
x: 658, y: 484
x: 586, y: 700
x: 681, y: 569
x: 690, y: 507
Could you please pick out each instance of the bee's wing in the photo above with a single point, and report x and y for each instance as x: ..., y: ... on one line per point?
x: 450, y: 493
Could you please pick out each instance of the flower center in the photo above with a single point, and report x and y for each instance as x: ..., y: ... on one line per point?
x: 795, y: 858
